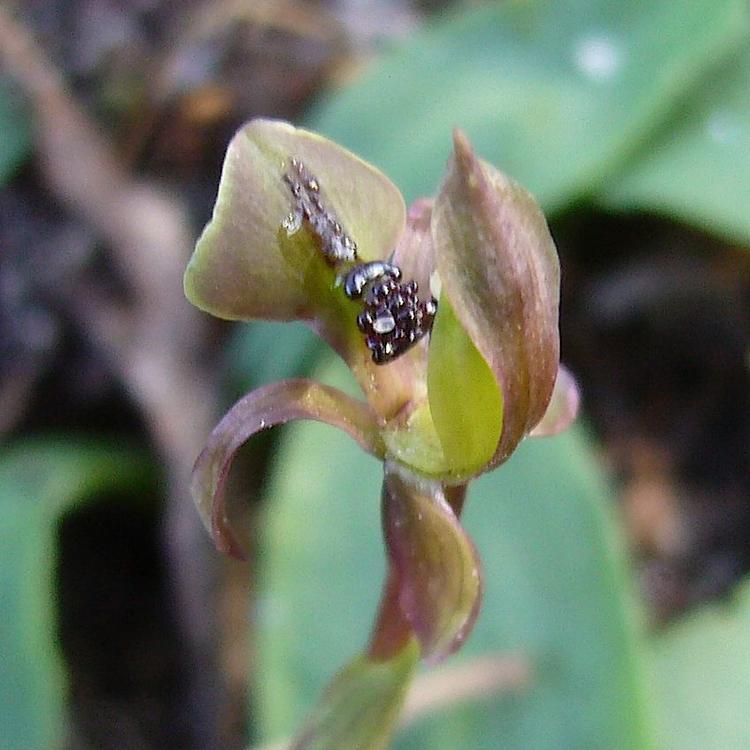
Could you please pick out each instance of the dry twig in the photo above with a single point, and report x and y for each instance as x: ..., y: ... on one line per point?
x: 154, y: 344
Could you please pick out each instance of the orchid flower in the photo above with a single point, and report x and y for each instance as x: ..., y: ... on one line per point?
x: 448, y: 318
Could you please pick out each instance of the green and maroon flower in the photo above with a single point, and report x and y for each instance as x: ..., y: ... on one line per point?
x: 448, y: 318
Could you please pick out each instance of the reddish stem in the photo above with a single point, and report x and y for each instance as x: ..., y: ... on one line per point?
x: 392, y: 631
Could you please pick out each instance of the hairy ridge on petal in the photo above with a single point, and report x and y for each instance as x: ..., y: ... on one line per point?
x: 243, y: 266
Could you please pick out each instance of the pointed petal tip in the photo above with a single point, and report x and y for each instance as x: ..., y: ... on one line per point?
x: 420, y: 213
x: 461, y: 145
x: 465, y: 160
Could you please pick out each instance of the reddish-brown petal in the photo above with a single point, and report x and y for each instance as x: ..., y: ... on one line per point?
x: 259, y: 410
x: 563, y: 406
x: 433, y: 560
x: 499, y: 269
x: 414, y: 254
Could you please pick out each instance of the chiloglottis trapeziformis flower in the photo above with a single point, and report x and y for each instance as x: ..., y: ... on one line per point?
x: 447, y: 315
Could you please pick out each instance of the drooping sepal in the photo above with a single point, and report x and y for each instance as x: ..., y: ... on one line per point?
x: 434, y: 566
x: 259, y: 410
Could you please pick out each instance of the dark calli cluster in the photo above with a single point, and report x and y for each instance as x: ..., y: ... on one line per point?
x: 394, y: 318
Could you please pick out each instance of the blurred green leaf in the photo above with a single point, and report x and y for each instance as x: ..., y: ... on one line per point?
x: 265, y: 351
x: 558, y: 95
x: 39, y: 481
x: 703, y: 670
x: 556, y: 591
x: 697, y: 166
x: 15, y: 136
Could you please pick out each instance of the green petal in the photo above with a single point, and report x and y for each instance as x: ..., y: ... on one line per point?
x: 245, y: 265
x: 361, y: 706
x: 434, y: 563
x: 500, y: 273
x: 465, y: 401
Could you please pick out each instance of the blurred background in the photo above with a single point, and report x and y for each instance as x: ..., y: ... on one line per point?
x: 120, y: 627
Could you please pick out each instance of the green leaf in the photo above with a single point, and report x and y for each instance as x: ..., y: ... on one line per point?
x: 555, y: 94
x: 557, y: 592
x: 39, y: 481
x: 697, y: 166
x: 703, y: 670
x: 15, y: 136
x: 265, y: 351
x: 361, y: 706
